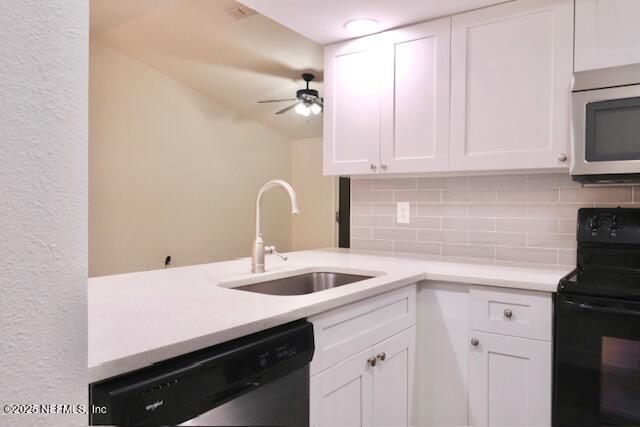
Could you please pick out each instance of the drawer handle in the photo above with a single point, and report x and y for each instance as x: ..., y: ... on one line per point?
x: 475, y: 342
x: 372, y: 361
x: 381, y: 356
x: 508, y: 313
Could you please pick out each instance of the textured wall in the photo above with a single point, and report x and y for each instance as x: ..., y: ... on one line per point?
x: 519, y: 218
x: 43, y: 201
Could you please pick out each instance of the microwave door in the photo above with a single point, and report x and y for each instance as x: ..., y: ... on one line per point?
x: 606, y: 130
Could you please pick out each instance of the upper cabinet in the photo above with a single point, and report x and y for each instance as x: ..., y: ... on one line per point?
x: 415, y: 98
x: 511, y: 74
x: 352, y: 106
x: 484, y: 90
x: 607, y: 33
x: 387, y: 102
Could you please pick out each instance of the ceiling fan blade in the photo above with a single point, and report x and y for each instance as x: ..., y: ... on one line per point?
x: 284, y: 110
x: 275, y: 100
x: 319, y: 103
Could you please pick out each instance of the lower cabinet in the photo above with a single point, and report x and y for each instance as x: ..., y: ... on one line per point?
x: 509, y: 381
x: 371, y: 388
x: 484, y: 356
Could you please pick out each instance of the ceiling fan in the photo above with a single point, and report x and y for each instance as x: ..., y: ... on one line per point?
x: 308, y: 101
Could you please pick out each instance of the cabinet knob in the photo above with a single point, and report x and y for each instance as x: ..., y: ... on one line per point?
x: 508, y: 313
x: 372, y: 361
x: 475, y: 341
x: 562, y: 157
x: 381, y: 356
x: 383, y: 166
x: 373, y: 166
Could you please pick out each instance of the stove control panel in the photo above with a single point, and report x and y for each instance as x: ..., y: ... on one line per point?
x: 609, y: 225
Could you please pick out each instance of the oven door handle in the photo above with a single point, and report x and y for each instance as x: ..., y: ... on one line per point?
x: 602, y: 309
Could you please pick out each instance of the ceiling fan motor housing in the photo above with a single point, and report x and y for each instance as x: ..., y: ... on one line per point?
x: 307, y: 94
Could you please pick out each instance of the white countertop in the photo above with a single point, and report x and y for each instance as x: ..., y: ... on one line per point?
x: 137, y: 319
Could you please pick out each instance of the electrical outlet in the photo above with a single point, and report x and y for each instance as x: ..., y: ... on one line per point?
x: 403, y: 215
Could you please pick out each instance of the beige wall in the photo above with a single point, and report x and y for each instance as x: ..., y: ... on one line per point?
x: 314, y: 227
x: 174, y: 173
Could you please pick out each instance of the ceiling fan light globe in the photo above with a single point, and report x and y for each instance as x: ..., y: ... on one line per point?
x: 316, y: 109
x: 303, y: 109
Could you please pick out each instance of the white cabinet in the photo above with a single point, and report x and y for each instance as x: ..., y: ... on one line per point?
x: 415, y: 98
x: 387, y: 102
x: 505, y: 379
x: 363, y: 369
x: 371, y: 388
x: 511, y: 73
x: 393, y: 377
x: 342, y: 395
x: 509, y: 381
x: 607, y: 33
x: 352, y: 91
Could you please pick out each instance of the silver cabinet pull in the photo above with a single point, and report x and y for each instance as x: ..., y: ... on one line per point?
x: 562, y: 157
x: 372, y: 361
x: 373, y: 166
x: 381, y: 356
x: 475, y: 341
x: 383, y: 166
x: 508, y: 313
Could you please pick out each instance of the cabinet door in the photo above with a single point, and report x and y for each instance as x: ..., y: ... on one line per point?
x: 342, y: 395
x: 607, y: 33
x: 415, y: 98
x: 511, y: 75
x: 509, y: 381
x: 393, y: 380
x: 352, y: 106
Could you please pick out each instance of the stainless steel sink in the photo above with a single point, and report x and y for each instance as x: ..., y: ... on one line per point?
x: 303, y: 284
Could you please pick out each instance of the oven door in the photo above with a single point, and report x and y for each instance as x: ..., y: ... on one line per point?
x: 606, y: 130
x: 597, y: 362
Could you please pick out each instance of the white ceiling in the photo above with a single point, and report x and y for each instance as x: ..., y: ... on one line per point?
x: 323, y: 20
x: 235, y: 62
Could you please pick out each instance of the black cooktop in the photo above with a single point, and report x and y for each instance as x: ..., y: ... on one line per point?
x: 608, y: 255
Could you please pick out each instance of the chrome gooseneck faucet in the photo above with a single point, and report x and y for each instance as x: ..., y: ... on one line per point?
x: 259, y: 249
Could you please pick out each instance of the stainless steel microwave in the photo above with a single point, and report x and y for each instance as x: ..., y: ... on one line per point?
x: 606, y: 125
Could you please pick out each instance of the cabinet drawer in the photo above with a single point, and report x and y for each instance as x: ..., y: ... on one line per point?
x: 513, y: 312
x: 347, y: 330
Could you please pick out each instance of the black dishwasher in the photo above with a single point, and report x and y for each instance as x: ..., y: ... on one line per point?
x: 260, y: 379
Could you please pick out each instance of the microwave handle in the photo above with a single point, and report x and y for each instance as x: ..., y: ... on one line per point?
x: 601, y: 309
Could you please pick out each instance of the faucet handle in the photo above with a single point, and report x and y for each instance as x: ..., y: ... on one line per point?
x: 269, y: 250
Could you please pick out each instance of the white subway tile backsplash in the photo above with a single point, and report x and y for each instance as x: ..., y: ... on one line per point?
x: 469, y: 251
x: 466, y: 196
x: 529, y: 195
x: 497, y: 210
x: 394, y: 233
x: 535, y: 255
x: 371, y: 221
x: 442, y: 236
x: 534, y: 225
x: 596, y: 194
x: 442, y: 209
x: 394, y: 184
x: 518, y: 218
x: 498, y: 181
x: 541, y: 240
x: 497, y: 238
x: 416, y: 247
x: 485, y: 224
x: 417, y: 196
x: 371, y: 196
x: 360, y: 233
x: 372, y: 245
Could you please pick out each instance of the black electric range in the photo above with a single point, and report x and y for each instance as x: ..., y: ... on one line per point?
x: 597, y: 324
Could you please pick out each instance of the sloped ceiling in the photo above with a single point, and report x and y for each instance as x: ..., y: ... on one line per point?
x: 235, y: 62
